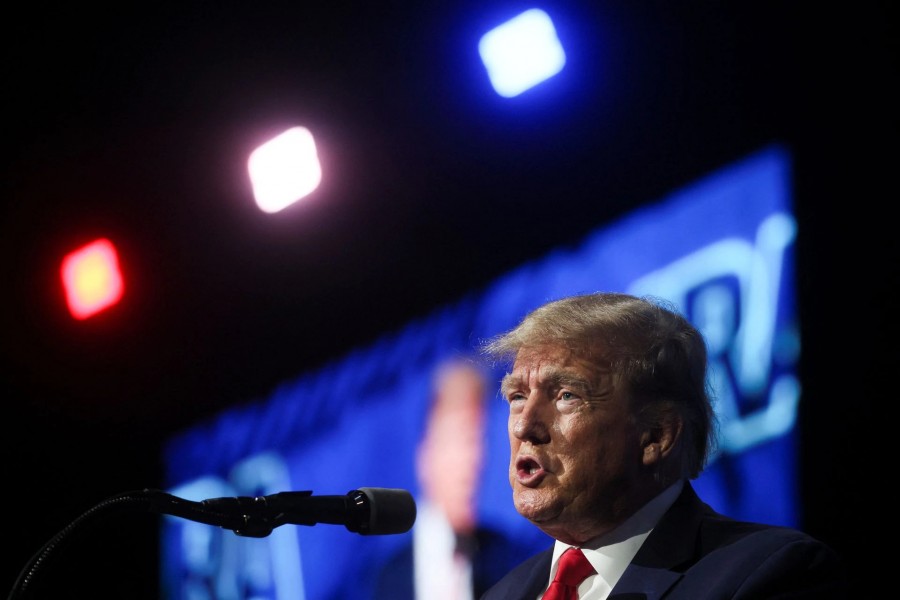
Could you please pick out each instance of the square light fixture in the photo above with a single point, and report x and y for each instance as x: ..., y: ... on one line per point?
x: 521, y: 53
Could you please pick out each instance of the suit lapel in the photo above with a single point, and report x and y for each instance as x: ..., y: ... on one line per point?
x: 652, y: 572
x: 526, y: 581
x: 537, y: 578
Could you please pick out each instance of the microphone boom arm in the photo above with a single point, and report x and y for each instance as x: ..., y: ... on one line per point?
x: 367, y: 511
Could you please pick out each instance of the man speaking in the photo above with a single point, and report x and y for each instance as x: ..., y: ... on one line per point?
x: 609, y: 421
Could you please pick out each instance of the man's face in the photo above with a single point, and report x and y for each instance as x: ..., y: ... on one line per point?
x: 575, y: 462
x: 450, y: 457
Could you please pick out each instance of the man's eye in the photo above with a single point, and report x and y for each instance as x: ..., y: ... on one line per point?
x: 516, y: 402
x: 568, y: 396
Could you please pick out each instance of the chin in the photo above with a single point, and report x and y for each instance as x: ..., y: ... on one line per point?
x: 534, y: 506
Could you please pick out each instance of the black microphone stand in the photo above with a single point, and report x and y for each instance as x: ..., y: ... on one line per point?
x: 251, y: 524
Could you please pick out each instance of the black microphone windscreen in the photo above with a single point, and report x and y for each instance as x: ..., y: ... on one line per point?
x: 390, y: 510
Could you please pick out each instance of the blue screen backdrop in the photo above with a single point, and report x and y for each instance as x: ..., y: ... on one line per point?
x: 720, y: 249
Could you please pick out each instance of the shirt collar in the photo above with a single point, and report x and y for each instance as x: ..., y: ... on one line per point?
x: 612, y: 552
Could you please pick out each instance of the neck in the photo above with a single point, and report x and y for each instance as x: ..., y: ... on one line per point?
x: 604, y: 521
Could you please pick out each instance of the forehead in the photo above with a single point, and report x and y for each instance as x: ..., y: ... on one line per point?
x: 552, y: 360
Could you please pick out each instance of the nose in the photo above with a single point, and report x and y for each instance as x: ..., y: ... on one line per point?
x: 532, y: 423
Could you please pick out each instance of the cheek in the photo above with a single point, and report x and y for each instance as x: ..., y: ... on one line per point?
x: 513, y: 449
x: 585, y: 446
x: 609, y: 454
x: 511, y: 429
x: 585, y: 463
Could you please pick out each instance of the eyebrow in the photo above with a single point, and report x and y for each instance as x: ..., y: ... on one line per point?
x: 508, y: 382
x: 554, y: 377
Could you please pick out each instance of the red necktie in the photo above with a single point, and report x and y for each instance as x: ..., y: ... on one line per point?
x: 573, y: 569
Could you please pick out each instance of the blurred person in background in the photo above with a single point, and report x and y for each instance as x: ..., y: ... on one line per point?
x: 453, y: 556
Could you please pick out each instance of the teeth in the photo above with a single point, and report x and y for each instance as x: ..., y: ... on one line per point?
x: 532, y: 470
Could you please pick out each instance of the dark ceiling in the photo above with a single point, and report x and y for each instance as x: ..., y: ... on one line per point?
x: 135, y: 123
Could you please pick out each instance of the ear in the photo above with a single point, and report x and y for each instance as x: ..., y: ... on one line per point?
x: 659, y: 442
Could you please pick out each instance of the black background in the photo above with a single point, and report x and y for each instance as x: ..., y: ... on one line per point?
x: 135, y: 123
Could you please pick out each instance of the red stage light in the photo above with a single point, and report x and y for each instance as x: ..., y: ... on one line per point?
x: 92, y: 279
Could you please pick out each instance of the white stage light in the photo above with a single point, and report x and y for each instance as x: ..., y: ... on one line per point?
x: 284, y: 169
x: 521, y: 53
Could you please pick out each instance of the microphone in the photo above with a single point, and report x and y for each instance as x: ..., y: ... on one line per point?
x: 367, y: 511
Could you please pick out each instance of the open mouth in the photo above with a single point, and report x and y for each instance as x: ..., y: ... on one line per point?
x: 528, y: 470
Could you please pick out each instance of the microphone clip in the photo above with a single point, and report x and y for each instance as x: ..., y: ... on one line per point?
x: 257, y: 516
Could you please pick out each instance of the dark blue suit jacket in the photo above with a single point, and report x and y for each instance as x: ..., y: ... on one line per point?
x: 695, y: 553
